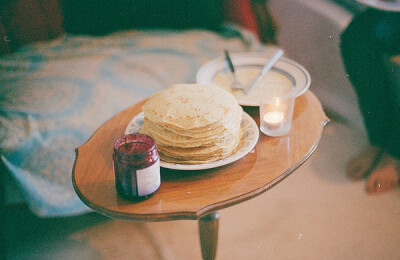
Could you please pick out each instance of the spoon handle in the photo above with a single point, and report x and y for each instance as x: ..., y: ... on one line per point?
x: 264, y: 70
x: 228, y: 59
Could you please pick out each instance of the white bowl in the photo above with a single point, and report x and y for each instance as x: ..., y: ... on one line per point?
x: 289, y: 69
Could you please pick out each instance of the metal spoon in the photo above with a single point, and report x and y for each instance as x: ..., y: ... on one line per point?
x: 263, y: 71
x: 235, y: 84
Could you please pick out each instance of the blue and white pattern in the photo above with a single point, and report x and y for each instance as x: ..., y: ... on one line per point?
x: 54, y: 95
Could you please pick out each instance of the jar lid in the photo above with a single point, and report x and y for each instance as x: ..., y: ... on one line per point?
x: 134, y: 144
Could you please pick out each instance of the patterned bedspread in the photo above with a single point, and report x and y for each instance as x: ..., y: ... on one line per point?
x: 54, y: 95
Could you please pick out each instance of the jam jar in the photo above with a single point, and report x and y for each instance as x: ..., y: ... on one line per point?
x: 136, y: 166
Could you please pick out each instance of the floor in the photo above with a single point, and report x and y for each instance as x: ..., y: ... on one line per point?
x: 316, y: 213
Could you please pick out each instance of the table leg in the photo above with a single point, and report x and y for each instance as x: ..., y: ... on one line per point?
x: 208, y: 229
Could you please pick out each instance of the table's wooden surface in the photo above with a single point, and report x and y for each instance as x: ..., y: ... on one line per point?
x: 193, y: 194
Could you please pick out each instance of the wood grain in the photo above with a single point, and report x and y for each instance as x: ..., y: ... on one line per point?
x: 193, y: 194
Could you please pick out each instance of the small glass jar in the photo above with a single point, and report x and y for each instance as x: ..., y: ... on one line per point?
x: 136, y: 166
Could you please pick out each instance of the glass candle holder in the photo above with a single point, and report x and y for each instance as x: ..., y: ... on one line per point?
x: 276, y: 108
x: 136, y: 166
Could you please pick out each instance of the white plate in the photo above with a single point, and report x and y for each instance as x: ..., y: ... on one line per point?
x: 297, y: 74
x: 250, y: 138
x: 387, y: 6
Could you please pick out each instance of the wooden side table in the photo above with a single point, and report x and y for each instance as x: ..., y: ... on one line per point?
x: 197, y: 195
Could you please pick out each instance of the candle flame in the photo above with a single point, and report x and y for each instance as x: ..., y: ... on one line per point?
x: 273, y: 117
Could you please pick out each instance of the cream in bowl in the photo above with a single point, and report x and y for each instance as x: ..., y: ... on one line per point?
x: 244, y: 76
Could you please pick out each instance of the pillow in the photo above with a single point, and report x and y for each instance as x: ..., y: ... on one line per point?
x: 101, y: 17
x: 4, y: 39
x: 27, y: 21
x: 253, y: 15
x: 241, y: 13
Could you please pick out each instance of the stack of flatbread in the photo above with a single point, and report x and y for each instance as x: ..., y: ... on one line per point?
x: 193, y: 123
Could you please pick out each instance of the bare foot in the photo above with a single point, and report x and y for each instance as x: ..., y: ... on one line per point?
x: 363, y: 162
x: 385, y: 176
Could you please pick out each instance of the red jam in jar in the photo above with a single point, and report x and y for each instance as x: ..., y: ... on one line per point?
x: 136, y: 166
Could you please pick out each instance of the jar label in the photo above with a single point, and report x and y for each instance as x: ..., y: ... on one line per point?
x: 148, y: 179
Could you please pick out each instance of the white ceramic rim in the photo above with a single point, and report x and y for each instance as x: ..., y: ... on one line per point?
x: 296, y: 73
x: 250, y: 134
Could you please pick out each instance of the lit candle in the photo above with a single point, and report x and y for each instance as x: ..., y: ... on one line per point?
x: 273, y: 119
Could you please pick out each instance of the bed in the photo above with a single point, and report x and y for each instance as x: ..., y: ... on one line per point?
x: 59, y: 84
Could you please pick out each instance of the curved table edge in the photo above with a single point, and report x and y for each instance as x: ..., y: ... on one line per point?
x: 206, y: 210
x: 259, y: 191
